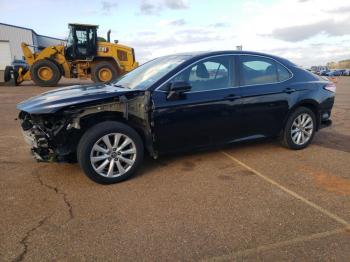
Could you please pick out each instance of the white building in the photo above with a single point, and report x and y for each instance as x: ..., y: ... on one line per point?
x: 11, y: 38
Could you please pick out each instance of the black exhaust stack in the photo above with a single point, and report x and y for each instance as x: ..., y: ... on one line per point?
x: 109, y: 35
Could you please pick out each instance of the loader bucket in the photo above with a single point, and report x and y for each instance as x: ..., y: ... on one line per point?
x: 13, y: 74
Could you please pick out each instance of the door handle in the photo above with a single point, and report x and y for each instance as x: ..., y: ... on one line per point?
x: 232, y: 97
x: 289, y: 90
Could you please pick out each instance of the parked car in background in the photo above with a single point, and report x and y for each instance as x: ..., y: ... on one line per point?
x: 341, y: 72
x: 346, y: 72
x: 318, y: 69
x: 324, y: 72
x: 334, y: 73
x: 19, y: 63
x: 177, y: 103
x: 11, y: 71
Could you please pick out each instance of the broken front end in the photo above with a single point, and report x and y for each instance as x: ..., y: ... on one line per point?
x: 55, y: 136
x: 48, y: 137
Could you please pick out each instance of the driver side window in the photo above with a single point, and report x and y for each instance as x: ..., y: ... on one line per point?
x: 212, y: 73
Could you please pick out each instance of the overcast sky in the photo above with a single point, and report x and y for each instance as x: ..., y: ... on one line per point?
x: 308, y: 32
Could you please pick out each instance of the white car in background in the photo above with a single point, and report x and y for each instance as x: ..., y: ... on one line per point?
x: 346, y: 72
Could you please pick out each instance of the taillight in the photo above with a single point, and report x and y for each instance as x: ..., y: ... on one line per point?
x: 331, y: 87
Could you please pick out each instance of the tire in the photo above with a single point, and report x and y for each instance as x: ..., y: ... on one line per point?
x: 7, y: 73
x: 100, y: 68
x: 45, y: 73
x: 86, y: 152
x: 290, y: 138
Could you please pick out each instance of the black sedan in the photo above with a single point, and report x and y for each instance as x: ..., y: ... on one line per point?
x: 177, y: 103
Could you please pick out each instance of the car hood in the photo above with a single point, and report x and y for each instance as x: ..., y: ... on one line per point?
x: 52, y: 101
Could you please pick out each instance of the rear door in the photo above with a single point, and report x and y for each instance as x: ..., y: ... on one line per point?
x: 208, y: 114
x: 265, y: 95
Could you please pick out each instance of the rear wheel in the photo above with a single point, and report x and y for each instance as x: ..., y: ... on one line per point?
x: 300, y: 129
x: 45, y: 73
x: 110, y: 152
x: 103, y: 72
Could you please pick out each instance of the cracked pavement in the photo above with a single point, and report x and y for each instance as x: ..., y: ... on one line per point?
x: 197, y: 206
x: 24, y: 240
x: 64, y: 197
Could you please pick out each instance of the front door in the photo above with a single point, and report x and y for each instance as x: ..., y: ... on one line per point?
x: 207, y: 114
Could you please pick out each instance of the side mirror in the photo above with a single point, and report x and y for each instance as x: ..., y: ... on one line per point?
x: 177, y: 88
x: 180, y: 86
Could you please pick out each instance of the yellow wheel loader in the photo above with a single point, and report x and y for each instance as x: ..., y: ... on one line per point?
x: 84, y: 56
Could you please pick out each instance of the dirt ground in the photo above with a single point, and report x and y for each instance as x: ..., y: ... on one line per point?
x: 256, y: 201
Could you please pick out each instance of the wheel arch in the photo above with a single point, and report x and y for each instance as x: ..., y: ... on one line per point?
x: 93, y: 119
x: 310, y: 104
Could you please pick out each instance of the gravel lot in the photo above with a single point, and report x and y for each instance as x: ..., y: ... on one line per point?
x: 256, y: 201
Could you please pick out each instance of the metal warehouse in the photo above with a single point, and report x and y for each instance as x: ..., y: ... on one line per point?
x: 11, y: 38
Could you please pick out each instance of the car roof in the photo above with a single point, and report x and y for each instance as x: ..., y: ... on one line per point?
x: 200, y: 54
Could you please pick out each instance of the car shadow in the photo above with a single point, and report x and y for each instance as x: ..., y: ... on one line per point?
x: 333, y: 140
x: 149, y: 164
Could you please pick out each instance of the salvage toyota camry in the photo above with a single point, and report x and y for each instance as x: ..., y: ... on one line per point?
x: 176, y: 103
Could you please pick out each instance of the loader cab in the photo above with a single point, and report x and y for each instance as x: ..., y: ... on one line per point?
x: 82, y: 42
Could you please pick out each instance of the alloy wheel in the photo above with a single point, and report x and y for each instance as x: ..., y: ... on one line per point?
x: 113, y: 155
x: 302, y: 129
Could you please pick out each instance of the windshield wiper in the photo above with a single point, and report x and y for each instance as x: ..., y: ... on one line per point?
x: 120, y: 86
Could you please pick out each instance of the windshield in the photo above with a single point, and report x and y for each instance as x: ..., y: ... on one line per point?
x: 150, y: 72
x: 70, y: 39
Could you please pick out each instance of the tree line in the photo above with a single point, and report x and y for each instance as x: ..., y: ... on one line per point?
x: 344, y: 64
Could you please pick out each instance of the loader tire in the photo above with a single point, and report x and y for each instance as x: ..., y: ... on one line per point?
x: 45, y: 73
x: 8, y: 73
x: 103, y: 72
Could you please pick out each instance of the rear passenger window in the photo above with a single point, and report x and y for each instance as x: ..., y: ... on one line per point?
x: 257, y: 70
x: 283, y: 73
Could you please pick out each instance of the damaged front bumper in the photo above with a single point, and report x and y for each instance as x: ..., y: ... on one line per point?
x: 40, y: 133
x: 39, y: 144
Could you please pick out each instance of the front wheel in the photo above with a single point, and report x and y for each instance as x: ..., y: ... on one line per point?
x: 103, y: 72
x: 110, y: 152
x: 300, y: 129
x: 45, y: 73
